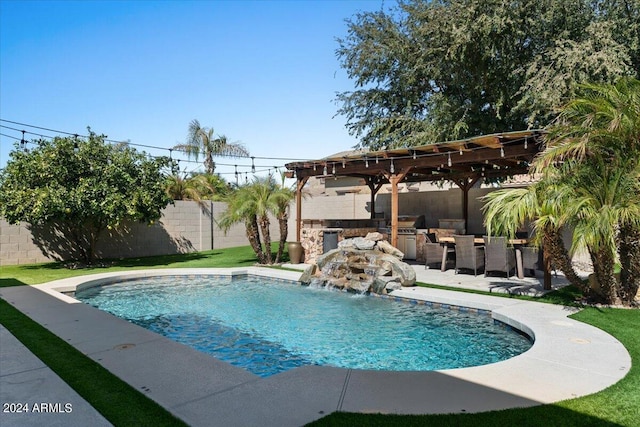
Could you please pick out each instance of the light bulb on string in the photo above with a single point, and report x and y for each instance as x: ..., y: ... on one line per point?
x: 333, y: 171
x: 324, y: 171
x: 525, y: 142
x: 253, y: 166
x: 366, y: 162
x: 414, y: 154
x: 392, y: 169
x: 449, y: 160
x: 314, y: 166
x: 501, y: 151
x: 343, y: 164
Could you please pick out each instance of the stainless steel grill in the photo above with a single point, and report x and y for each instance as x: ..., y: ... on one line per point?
x: 407, y: 230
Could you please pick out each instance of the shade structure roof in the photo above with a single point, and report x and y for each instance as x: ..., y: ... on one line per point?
x: 464, y: 162
x: 488, y: 156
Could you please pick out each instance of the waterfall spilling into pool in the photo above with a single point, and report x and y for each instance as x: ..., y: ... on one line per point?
x: 361, y: 265
x: 268, y: 326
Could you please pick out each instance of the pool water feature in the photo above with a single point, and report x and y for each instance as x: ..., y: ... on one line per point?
x: 268, y: 326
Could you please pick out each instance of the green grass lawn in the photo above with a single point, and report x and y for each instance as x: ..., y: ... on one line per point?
x: 619, y: 405
x: 33, y: 274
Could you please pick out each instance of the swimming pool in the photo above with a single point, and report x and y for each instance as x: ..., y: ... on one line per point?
x: 268, y: 326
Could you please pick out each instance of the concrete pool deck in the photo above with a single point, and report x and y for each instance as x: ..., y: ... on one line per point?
x: 569, y: 359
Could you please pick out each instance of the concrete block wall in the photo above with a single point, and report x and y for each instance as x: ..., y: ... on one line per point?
x: 184, y: 227
x: 188, y: 227
x: 445, y: 203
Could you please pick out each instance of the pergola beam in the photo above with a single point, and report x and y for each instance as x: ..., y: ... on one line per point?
x: 463, y: 162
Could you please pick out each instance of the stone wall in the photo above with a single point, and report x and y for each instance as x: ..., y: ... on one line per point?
x: 313, y: 239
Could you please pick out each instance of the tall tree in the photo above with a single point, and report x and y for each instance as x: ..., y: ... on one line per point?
x: 427, y: 71
x: 597, y: 141
x: 202, y: 140
x: 591, y: 180
x: 79, y: 187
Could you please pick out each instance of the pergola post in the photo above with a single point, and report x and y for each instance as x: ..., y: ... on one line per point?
x: 395, y: 179
x: 465, y: 185
x: 299, y: 184
x: 374, y: 187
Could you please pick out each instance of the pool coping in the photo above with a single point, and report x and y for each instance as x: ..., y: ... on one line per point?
x: 568, y: 359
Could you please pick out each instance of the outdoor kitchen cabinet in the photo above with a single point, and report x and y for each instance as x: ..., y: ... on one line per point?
x: 407, y: 245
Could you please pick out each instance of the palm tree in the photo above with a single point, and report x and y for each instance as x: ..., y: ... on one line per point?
x: 198, y: 187
x: 212, y: 187
x: 280, y: 200
x: 591, y: 177
x: 602, y: 200
x: 201, y: 140
x: 259, y: 195
x: 601, y: 131
x: 253, y: 204
x: 240, y: 208
x: 508, y: 210
x: 250, y: 204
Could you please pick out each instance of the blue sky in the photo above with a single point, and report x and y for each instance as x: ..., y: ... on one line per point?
x: 263, y: 73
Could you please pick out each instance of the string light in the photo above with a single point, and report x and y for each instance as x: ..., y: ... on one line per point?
x: 24, y: 145
x: 333, y: 171
x: 411, y: 152
x: 324, y: 172
x: 392, y: 169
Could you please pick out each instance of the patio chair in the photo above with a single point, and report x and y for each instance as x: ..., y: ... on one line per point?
x: 433, y: 250
x: 532, y: 260
x: 468, y: 256
x: 498, y: 255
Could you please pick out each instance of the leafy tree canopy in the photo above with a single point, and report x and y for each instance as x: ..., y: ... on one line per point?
x: 428, y: 71
x: 82, y: 186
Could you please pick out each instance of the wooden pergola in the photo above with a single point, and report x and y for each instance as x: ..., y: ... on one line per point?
x: 463, y: 162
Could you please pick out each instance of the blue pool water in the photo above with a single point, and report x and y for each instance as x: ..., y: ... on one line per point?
x: 268, y: 326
